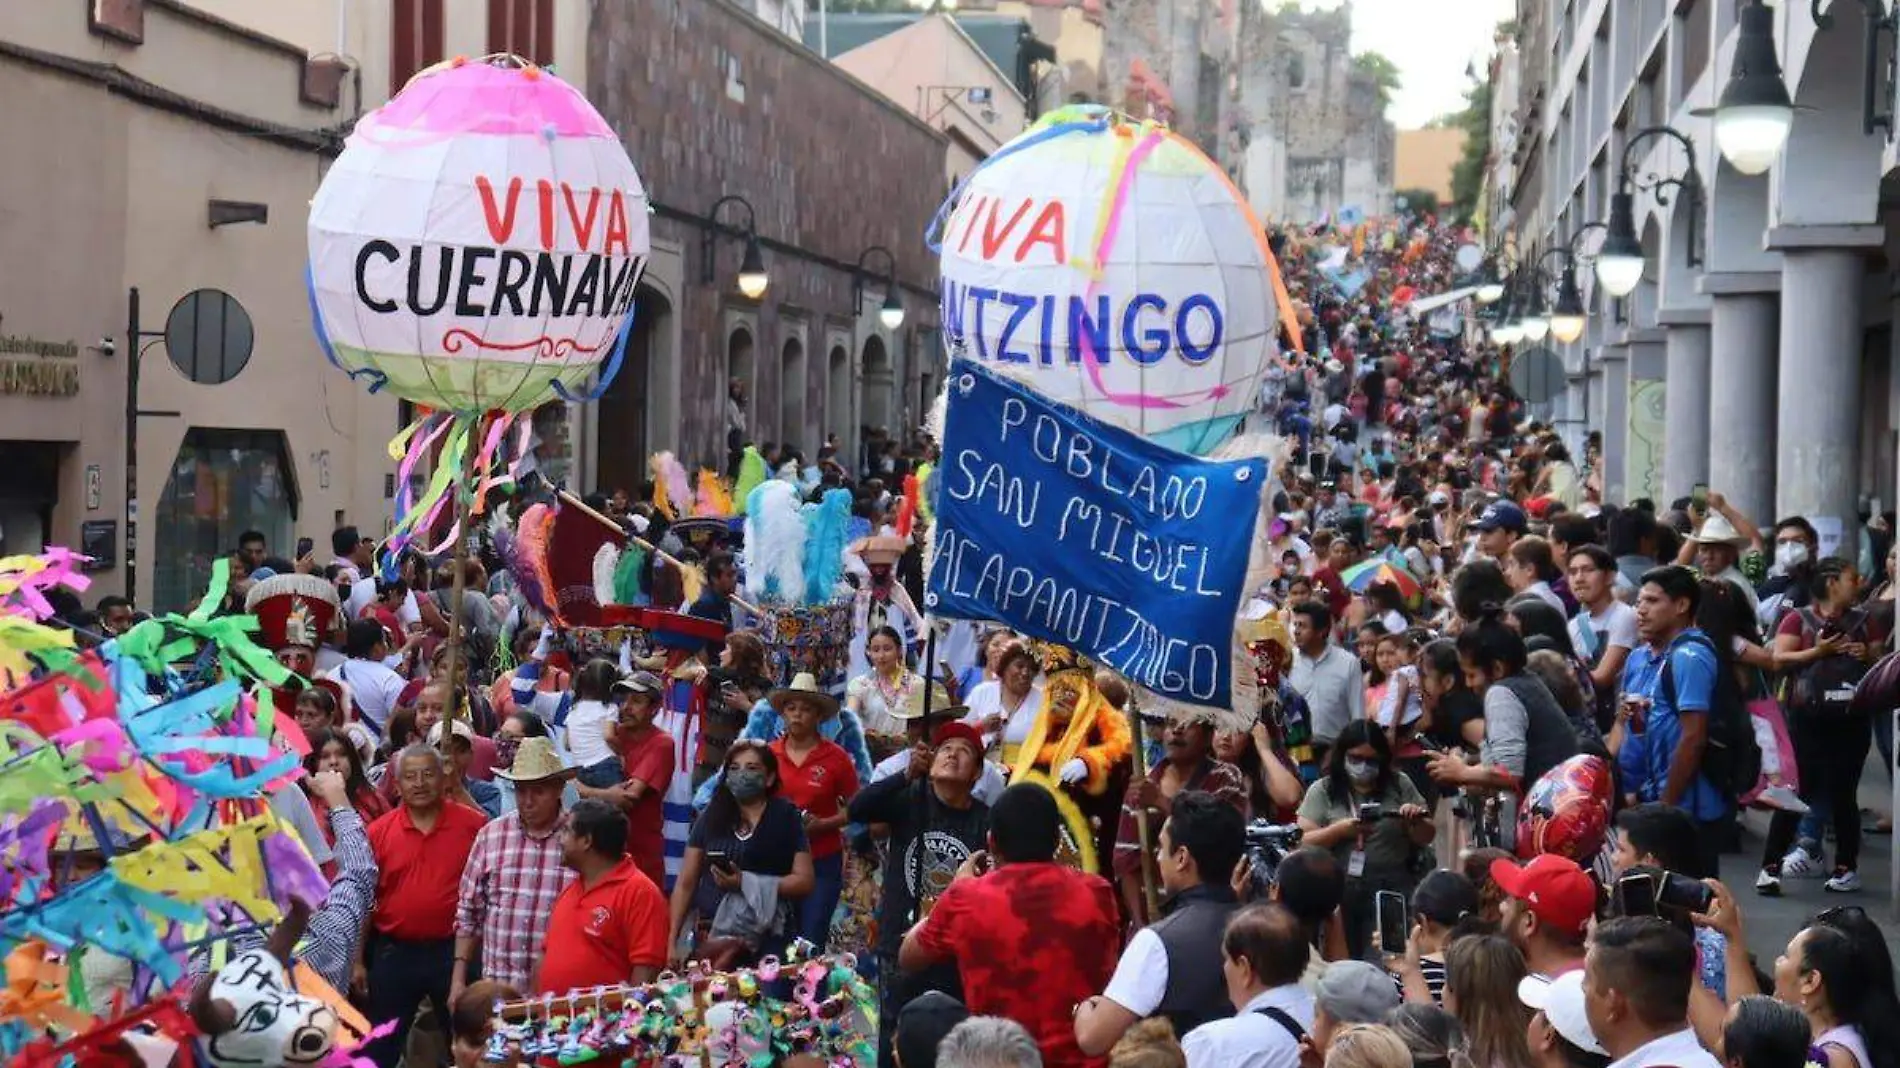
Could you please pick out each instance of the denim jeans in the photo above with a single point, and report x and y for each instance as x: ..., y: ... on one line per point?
x: 814, y: 913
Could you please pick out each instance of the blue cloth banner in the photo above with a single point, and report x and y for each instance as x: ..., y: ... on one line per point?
x: 1077, y: 532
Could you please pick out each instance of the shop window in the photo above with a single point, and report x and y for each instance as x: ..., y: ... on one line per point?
x: 222, y: 483
x: 523, y: 27
x: 415, y: 40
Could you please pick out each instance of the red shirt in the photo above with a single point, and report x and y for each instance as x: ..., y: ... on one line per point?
x: 1032, y: 941
x: 597, y: 937
x: 816, y: 786
x: 419, y: 876
x: 648, y: 758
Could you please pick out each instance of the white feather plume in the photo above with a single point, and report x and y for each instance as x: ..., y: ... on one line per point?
x: 606, y: 559
x: 774, y: 553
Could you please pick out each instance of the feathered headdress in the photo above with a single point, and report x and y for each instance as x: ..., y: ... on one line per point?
x: 752, y: 474
x: 672, y: 491
x: 714, y: 500
x: 774, y: 543
x: 824, y: 545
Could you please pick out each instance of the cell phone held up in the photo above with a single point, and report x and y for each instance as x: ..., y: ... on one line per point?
x: 1395, y: 921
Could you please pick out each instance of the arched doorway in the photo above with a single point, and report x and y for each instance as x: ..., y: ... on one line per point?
x: 877, y: 384
x: 739, y: 365
x: 621, y: 425
x: 792, y: 400
x: 838, y: 396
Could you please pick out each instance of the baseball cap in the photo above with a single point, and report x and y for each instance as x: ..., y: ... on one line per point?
x: 460, y: 727
x: 922, y: 1024
x: 1437, y: 497
x: 1353, y: 991
x: 957, y: 730
x: 1561, y: 1002
x: 1554, y: 888
x: 1501, y: 515
x: 645, y: 682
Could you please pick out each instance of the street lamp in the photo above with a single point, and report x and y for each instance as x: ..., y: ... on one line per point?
x: 1754, y: 113
x: 1508, y: 330
x: 891, y: 313
x: 752, y: 276
x: 1491, y: 289
x: 1620, y: 260
x: 1567, y: 317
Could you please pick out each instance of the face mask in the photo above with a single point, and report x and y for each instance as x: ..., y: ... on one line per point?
x: 1362, y: 771
x: 746, y: 785
x: 272, y: 1023
x: 505, y: 748
x: 1790, y: 554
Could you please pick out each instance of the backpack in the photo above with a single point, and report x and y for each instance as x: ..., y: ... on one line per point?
x: 1731, y: 759
x: 1825, y: 688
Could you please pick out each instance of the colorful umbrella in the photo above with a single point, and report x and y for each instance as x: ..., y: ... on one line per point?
x: 1361, y: 575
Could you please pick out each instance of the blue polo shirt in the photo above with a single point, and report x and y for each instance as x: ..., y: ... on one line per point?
x: 1644, y: 759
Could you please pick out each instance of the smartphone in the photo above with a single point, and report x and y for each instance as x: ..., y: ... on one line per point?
x: 1681, y: 892
x: 1395, y: 921
x: 718, y: 859
x: 1635, y: 895
x: 1699, y: 496
x: 304, y: 547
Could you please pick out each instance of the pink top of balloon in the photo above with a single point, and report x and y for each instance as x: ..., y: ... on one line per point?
x: 470, y: 96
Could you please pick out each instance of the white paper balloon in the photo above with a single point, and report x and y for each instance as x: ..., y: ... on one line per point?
x: 1113, y: 267
x: 477, y: 245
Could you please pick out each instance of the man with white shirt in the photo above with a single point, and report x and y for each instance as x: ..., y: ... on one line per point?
x: 1263, y: 953
x: 374, y: 688
x: 1636, y: 984
x: 1604, y: 631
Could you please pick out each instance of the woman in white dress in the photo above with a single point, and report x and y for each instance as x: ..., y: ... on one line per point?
x: 880, y: 695
x: 1005, y: 709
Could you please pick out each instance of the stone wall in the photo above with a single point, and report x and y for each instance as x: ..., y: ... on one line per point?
x: 711, y: 101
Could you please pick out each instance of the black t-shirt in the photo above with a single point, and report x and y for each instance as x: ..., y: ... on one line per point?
x: 1455, y: 709
x: 769, y: 849
x: 929, y: 842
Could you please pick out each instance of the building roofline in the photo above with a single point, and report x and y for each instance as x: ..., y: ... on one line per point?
x: 1007, y: 81
x: 120, y: 82
x: 262, y: 40
x: 797, y: 48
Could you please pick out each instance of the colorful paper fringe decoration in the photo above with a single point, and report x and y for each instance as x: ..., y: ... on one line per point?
x: 114, y: 746
x: 445, y: 439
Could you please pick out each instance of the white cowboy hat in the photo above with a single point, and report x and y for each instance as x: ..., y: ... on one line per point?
x: 804, y: 686
x: 536, y: 760
x: 1717, y: 530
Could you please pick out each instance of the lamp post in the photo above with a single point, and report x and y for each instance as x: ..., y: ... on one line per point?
x: 1754, y: 113
x: 891, y: 314
x: 1567, y: 316
x: 752, y: 277
x: 1620, y: 260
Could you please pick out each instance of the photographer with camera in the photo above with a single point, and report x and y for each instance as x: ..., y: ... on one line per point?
x: 1660, y: 842
x: 1164, y: 969
x: 1373, y: 819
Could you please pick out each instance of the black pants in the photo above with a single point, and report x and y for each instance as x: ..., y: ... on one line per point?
x: 403, y: 974
x: 1831, y: 753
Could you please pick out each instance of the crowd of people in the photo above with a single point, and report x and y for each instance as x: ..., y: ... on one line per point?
x: 1455, y: 614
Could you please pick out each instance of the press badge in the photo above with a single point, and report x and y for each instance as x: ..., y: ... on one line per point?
x: 1356, y: 864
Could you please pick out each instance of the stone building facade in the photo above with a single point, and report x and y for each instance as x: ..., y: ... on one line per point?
x: 1313, y: 128
x: 713, y: 102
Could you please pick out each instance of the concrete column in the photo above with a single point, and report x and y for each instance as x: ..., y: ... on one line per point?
x: 1686, y: 401
x: 1742, y: 346
x: 1817, y: 464
x: 1615, y: 382
x: 1646, y: 415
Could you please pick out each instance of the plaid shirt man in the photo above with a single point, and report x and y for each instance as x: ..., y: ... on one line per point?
x: 508, y: 892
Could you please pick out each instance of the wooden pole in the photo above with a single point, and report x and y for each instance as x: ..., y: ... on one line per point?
x: 575, y: 502
x: 458, y: 586
x: 1151, y: 895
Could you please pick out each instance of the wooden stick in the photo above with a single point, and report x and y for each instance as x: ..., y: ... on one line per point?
x: 1151, y: 895
x: 576, y: 502
x: 458, y: 585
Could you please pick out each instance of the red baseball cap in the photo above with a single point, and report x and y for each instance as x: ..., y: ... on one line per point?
x: 957, y: 730
x: 1554, y: 888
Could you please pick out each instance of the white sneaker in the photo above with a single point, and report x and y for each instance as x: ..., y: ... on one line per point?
x: 1844, y: 882
x: 1784, y: 799
x: 1800, y: 864
x: 1767, y: 885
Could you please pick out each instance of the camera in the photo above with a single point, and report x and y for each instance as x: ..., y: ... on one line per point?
x: 1267, y: 845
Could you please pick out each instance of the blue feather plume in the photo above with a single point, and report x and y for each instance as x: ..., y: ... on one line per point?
x: 824, y: 544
